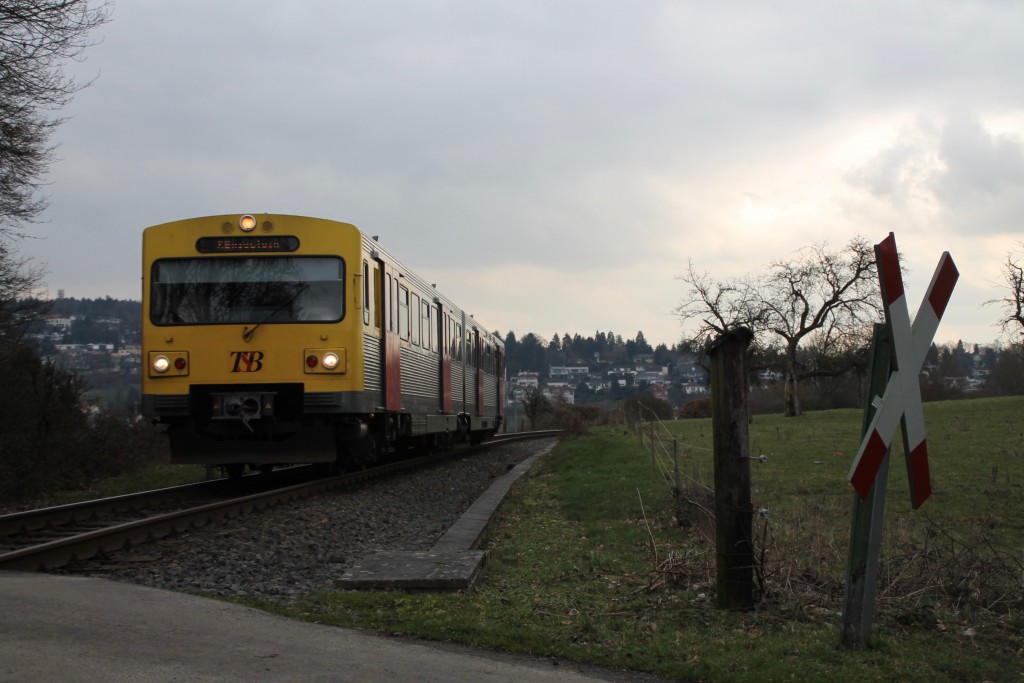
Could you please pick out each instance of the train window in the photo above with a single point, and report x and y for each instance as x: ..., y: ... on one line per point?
x: 414, y: 313
x: 366, y: 293
x: 403, y: 313
x: 258, y: 289
x: 445, y: 335
x: 378, y: 305
x: 432, y: 327
x: 425, y: 326
x: 390, y: 296
x: 458, y: 342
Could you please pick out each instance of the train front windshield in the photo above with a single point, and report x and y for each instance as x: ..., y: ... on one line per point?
x: 258, y: 289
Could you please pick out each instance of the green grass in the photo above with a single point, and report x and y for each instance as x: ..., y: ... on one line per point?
x: 586, y: 560
x: 162, y: 477
x: 144, y: 480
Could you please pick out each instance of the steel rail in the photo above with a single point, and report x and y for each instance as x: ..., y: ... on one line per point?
x: 80, y: 546
x: 87, y: 510
x: 31, y: 520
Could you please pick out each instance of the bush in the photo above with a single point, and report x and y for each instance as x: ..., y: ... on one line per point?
x: 48, y: 443
x: 647, y: 407
x: 41, y: 424
x: 575, y: 419
x: 697, y: 408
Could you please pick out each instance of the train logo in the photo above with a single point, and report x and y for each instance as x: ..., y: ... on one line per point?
x: 247, y: 361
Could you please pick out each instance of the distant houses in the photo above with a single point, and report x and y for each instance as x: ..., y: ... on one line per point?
x: 605, y: 382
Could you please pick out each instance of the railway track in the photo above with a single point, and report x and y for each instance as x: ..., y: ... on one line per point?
x: 50, y: 538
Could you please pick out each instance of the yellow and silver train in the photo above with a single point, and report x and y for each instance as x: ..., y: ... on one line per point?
x: 274, y: 339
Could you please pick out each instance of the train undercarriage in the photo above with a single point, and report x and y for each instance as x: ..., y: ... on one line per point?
x: 254, y: 432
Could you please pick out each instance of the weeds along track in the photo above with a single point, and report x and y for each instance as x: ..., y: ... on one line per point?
x: 50, y: 538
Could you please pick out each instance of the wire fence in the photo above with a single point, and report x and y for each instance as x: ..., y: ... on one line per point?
x: 666, y: 451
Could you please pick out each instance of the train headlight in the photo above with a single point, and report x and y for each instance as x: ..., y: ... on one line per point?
x: 325, y: 361
x: 168, y: 363
x: 247, y: 223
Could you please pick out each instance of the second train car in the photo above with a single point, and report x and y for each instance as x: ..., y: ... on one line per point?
x: 274, y: 339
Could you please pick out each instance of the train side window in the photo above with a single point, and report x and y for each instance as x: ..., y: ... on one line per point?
x: 432, y: 330
x: 421, y: 315
x: 366, y: 293
x: 458, y: 342
x: 378, y: 307
x: 403, y: 313
x: 425, y: 329
x: 390, y: 303
x: 446, y: 334
x: 414, y: 314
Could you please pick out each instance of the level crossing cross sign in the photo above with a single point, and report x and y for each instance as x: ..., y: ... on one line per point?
x: 901, y: 401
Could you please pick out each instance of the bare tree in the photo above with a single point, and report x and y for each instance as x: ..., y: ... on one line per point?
x: 534, y: 405
x: 1012, y: 303
x: 831, y: 294
x: 717, y: 305
x: 20, y: 307
x: 820, y: 295
x: 37, y: 37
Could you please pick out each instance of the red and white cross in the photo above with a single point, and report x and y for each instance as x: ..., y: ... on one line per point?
x: 901, y: 401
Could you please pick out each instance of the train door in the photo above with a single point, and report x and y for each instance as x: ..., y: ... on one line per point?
x: 445, y: 354
x: 499, y: 375
x: 392, y: 347
x: 458, y: 332
x: 478, y: 370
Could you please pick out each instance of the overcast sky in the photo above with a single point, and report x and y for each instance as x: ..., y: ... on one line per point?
x: 555, y: 165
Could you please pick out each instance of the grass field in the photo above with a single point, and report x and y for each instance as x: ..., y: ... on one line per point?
x: 586, y: 560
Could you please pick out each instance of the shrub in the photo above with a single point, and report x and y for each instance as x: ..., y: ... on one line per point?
x: 646, y: 407
x: 48, y: 443
x: 697, y: 408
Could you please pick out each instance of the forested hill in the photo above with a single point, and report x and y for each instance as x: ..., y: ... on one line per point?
x: 98, y: 321
x: 94, y: 321
x: 128, y: 310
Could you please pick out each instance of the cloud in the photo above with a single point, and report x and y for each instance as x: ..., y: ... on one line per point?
x: 586, y: 146
x: 982, y: 185
x: 971, y: 178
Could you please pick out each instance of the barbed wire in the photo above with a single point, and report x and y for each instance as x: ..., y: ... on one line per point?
x: 663, y: 444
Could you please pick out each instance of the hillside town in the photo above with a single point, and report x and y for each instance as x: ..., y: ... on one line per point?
x: 99, y: 339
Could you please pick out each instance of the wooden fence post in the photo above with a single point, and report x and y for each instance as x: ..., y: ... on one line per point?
x: 730, y: 418
x: 677, y: 488
x: 654, y: 445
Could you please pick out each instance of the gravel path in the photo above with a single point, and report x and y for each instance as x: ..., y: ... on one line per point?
x: 292, y: 549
